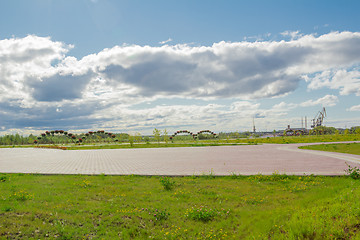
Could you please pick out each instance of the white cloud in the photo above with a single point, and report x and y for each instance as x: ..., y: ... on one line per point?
x: 244, y: 106
x: 292, y: 34
x: 43, y: 86
x: 241, y: 69
x: 326, y: 101
x: 283, y: 107
x: 166, y: 41
x: 354, y: 108
x: 347, y: 81
x: 24, y: 61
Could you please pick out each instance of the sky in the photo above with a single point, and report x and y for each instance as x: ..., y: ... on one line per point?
x: 132, y: 66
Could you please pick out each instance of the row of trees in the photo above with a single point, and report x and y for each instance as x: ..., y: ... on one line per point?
x: 158, y: 136
x: 63, y: 137
x: 320, y: 130
x: 17, y: 139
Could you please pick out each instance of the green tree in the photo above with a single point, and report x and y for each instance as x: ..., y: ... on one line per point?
x: 165, y: 136
x: 233, y: 135
x: 137, y: 137
x: 157, y: 134
x: 357, y: 130
x: 131, y: 140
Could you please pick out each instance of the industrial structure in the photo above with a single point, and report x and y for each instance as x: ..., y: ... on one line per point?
x: 319, y: 118
x: 316, y: 122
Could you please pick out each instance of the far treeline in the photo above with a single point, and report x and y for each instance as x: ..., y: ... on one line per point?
x: 320, y: 133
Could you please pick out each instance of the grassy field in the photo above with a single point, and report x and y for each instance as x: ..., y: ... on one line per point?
x: 352, y: 148
x: 219, y: 142
x: 150, y: 145
x: 305, y: 139
x: 203, y: 143
x: 205, y: 207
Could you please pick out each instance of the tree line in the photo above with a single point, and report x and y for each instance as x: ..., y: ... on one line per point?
x: 158, y: 136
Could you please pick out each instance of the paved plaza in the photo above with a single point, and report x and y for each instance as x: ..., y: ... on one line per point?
x: 220, y: 160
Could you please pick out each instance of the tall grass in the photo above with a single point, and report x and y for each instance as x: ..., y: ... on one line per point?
x: 134, y: 207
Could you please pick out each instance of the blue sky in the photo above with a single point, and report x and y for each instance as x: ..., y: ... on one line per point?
x: 131, y: 66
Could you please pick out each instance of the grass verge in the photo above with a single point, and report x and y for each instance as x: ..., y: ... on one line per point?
x: 205, y: 207
x: 144, y: 145
x: 351, y: 148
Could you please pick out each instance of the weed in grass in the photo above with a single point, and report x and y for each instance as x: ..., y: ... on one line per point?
x: 6, y: 209
x: 135, y: 210
x: 253, y: 200
x: 200, y: 213
x: 84, y: 183
x: 233, y: 175
x: 160, y: 215
x: 289, y: 183
x: 176, y: 232
x: 182, y: 194
x: 3, y: 179
x: 173, y: 232
x: 167, y: 183
x: 354, y: 172
x: 102, y: 176
x: 22, y: 196
x: 237, y: 176
x: 220, y: 234
x: 301, y: 186
x: 204, y: 214
x: 275, y: 177
x: 209, y: 175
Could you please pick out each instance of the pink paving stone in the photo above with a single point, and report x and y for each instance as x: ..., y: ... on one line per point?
x: 220, y: 160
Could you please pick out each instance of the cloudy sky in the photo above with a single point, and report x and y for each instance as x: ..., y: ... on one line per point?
x: 131, y: 66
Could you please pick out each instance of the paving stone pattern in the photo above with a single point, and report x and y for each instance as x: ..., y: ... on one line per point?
x: 221, y: 160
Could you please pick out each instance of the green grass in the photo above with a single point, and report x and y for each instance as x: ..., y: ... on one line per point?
x: 122, y: 146
x: 205, y: 207
x: 222, y: 142
x: 204, y: 143
x: 351, y: 148
x: 17, y: 146
x: 304, y: 139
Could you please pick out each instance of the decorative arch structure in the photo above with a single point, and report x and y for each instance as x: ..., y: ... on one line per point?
x: 182, y: 131
x: 73, y: 137
x: 291, y: 132
x: 206, y: 131
x: 192, y: 134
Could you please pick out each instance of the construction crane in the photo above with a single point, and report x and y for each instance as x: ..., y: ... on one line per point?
x: 319, y: 118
